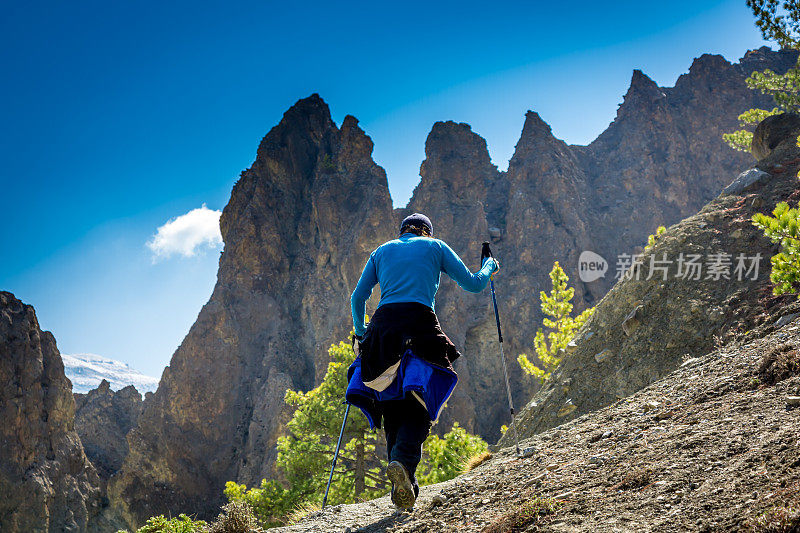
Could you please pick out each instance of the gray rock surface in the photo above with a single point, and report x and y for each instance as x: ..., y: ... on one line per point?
x: 744, y: 180
x: 772, y: 131
x: 103, y: 418
x: 46, y: 482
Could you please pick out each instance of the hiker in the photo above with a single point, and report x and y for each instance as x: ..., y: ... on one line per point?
x: 404, y: 369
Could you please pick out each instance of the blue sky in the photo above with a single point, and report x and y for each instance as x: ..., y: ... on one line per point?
x: 121, y: 116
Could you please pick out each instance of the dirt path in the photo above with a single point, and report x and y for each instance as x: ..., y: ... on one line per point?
x: 707, y: 448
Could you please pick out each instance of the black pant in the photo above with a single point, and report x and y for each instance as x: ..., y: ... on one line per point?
x: 407, y: 425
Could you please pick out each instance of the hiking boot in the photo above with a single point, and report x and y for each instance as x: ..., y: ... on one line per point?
x: 403, y: 493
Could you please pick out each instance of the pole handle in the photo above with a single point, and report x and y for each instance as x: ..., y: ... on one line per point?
x: 485, y: 252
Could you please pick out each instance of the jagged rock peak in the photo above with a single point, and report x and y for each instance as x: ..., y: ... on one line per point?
x: 757, y: 53
x: 103, y: 418
x: 455, y: 158
x: 450, y: 138
x: 298, y: 230
x: 354, y: 137
x: 709, y: 64
x: 351, y: 123
x: 766, y: 57
x: 643, y: 97
x: 536, y: 138
x: 642, y: 86
x: 308, y: 118
x: 535, y: 126
x: 309, y: 108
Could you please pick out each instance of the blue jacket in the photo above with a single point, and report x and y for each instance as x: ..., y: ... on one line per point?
x: 434, y: 385
x: 408, y: 270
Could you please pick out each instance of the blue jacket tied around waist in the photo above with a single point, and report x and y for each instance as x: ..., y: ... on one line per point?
x: 432, y: 383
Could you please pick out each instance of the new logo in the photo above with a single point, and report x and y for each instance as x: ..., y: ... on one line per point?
x: 591, y: 266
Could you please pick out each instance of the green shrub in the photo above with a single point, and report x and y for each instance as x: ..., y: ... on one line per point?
x: 652, y: 239
x: 327, y: 164
x: 162, y: 524
x: 783, y: 228
x: 444, y: 458
x: 236, y: 517
x: 270, y: 503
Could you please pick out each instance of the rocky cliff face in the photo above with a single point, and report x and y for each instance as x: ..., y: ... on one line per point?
x: 298, y: 228
x: 302, y: 220
x: 651, y: 321
x: 102, y: 419
x: 46, y: 482
x: 660, y: 160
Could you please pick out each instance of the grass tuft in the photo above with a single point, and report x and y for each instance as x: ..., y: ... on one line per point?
x: 236, y: 517
x: 635, y: 479
x: 778, y: 364
x: 476, y: 460
x: 529, y: 513
x: 783, y: 515
x: 783, y: 519
x: 301, y: 511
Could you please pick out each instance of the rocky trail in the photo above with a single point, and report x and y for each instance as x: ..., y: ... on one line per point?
x: 711, y: 447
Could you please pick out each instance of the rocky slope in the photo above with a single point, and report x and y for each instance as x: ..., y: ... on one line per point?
x: 710, y: 447
x: 302, y: 220
x: 46, y: 482
x: 103, y: 419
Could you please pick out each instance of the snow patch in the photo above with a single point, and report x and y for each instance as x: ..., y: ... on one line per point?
x: 87, y: 370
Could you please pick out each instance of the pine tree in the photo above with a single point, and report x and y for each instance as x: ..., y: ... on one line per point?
x: 444, y: 457
x: 557, y: 308
x: 783, y: 228
x: 779, y: 22
x: 306, y: 451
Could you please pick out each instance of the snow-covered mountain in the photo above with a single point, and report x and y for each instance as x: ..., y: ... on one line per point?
x: 87, y: 370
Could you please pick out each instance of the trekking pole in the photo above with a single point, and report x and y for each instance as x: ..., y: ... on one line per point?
x: 486, y: 252
x: 335, y: 456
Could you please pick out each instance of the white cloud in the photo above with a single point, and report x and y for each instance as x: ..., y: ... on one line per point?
x: 187, y: 234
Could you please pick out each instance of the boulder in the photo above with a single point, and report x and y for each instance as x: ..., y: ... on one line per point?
x: 744, y: 180
x: 772, y: 131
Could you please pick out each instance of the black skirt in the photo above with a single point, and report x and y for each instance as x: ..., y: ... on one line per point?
x: 395, y: 328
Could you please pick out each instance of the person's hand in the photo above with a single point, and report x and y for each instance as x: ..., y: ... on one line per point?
x: 495, y: 264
